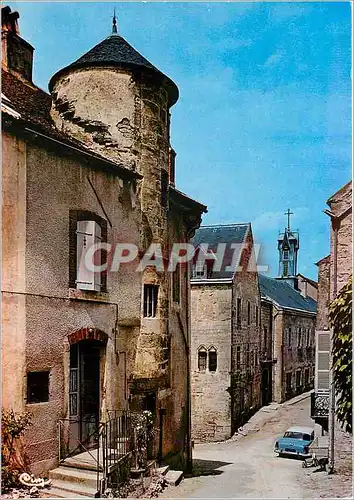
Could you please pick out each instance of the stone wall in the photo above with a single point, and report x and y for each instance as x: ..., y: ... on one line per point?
x: 323, y: 293
x: 298, y: 354
x: 211, y: 328
x: 340, y: 204
x: 245, y: 383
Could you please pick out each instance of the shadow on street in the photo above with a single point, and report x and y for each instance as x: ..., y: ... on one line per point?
x: 206, y: 468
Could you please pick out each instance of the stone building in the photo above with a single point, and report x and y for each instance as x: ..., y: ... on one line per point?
x: 225, y: 331
x: 334, y: 271
x: 92, y: 162
x: 288, y: 324
x: 288, y: 341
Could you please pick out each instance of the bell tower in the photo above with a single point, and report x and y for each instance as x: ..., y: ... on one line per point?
x: 288, y: 246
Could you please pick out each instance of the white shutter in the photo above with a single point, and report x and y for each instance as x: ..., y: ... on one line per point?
x: 85, y: 231
x: 322, y: 361
x: 98, y: 256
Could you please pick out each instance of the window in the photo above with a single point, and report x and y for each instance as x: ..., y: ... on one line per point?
x: 238, y: 313
x: 238, y: 357
x: 202, y: 360
x: 38, y: 387
x: 150, y: 300
x: 286, y: 254
x: 257, y: 318
x: 88, y: 233
x: 248, y: 357
x: 298, y: 378
x: 265, y: 336
x: 299, y: 337
x: 289, y: 336
x: 213, y: 360
x: 307, y: 377
x: 252, y: 359
x: 285, y: 268
x: 199, y: 270
x: 248, y: 313
x: 176, y: 284
x: 308, y: 337
x: 288, y: 382
x: 85, y: 229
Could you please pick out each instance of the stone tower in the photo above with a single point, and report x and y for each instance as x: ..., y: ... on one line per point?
x: 118, y: 104
x: 288, y: 246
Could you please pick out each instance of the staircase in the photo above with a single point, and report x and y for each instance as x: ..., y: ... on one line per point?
x: 71, y: 482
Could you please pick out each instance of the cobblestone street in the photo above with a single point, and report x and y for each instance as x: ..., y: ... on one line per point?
x: 246, y: 467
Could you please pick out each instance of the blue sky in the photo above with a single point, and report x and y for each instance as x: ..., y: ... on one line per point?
x: 263, y: 122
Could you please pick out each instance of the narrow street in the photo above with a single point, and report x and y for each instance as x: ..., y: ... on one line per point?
x: 248, y: 468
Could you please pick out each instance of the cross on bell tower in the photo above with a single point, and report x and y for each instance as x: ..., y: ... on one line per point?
x: 288, y: 246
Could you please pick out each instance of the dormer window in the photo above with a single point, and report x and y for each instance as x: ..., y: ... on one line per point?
x: 199, y: 270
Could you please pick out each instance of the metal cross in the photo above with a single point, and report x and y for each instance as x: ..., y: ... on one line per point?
x: 288, y: 213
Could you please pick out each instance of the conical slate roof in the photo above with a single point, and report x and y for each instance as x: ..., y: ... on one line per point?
x: 116, y: 51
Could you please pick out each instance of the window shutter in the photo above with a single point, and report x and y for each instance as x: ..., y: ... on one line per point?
x: 98, y: 256
x: 85, y: 238
x: 322, y: 361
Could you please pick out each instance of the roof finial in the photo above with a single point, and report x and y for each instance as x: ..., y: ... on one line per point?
x: 288, y: 213
x: 114, y: 25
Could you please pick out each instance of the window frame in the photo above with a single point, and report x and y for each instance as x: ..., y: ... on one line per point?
x: 29, y: 399
x: 150, y: 300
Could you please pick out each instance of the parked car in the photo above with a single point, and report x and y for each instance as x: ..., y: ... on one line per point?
x: 296, y: 442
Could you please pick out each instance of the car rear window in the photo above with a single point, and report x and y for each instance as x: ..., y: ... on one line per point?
x: 294, y: 435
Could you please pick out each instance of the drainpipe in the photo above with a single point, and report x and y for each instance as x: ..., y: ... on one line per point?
x: 332, y: 396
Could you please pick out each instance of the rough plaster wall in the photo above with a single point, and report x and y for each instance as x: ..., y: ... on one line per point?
x: 293, y: 359
x: 278, y: 344
x: 323, y: 294
x: 55, y: 186
x: 13, y: 271
x: 211, y: 326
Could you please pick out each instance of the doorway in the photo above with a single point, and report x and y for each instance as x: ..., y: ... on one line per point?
x: 84, y: 390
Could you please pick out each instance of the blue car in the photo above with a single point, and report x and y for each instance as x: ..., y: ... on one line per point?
x: 296, y: 442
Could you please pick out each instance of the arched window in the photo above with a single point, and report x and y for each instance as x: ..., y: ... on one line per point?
x: 213, y: 359
x: 202, y: 359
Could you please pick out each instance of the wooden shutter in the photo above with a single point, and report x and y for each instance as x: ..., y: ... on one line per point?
x: 322, y: 361
x: 85, y: 238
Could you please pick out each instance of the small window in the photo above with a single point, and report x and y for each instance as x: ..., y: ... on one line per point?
x: 298, y: 378
x: 199, y: 270
x: 248, y: 313
x: 299, y: 337
x: 286, y: 254
x: 265, y: 336
x: 238, y: 313
x: 288, y: 382
x: 248, y: 356
x: 238, y: 357
x: 176, y: 284
x: 202, y: 360
x: 38, y: 387
x: 257, y: 318
x: 289, y: 336
x: 150, y: 300
x: 213, y: 360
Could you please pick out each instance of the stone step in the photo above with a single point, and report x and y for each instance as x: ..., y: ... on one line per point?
x: 66, y: 489
x: 174, y: 477
x: 54, y: 492
x: 73, y: 475
x: 163, y: 470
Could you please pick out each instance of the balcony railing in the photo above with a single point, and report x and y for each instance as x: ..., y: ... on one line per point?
x: 319, y: 405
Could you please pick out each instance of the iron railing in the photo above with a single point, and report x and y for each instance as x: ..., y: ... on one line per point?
x: 107, y: 446
x: 319, y: 405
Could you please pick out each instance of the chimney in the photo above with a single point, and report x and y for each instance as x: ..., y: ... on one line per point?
x: 17, y: 54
